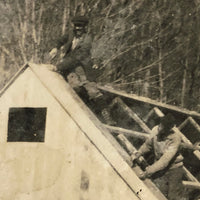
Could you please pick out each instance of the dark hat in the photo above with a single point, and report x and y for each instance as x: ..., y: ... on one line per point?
x: 80, y: 20
x: 168, y: 121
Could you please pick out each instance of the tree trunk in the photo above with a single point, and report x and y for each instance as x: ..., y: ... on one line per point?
x: 65, y: 15
x: 146, y: 84
x: 160, y: 71
x: 159, y: 47
x: 184, y: 82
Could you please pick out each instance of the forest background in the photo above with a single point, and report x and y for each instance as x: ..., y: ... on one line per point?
x: 146, y: 47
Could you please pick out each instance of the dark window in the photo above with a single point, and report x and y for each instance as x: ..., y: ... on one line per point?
x: 26, y: 124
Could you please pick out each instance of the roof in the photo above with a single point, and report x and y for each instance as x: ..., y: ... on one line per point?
x: 98, y: 135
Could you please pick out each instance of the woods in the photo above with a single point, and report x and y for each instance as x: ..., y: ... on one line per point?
x: 150, y: 48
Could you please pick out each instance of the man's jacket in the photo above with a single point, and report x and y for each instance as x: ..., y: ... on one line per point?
x: 166, y: 152
x: 81, y: 53
x: 66, y: 41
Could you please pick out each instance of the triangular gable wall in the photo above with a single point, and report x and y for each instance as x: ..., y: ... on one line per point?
x: 75, y: 162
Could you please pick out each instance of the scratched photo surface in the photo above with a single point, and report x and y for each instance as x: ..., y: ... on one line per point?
x: 100, y: 99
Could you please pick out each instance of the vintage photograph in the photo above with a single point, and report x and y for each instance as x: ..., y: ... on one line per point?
x: 100, y: 100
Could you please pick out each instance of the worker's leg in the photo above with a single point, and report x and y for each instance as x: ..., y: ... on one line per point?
x: 77, y: 85
x: 102, y: 110
x: 162, y: 184
x: 94, y: 98
x: 67, y: 65
x: 176, y: 189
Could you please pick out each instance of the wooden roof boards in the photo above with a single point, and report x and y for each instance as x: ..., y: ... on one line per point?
x: 88, y: 123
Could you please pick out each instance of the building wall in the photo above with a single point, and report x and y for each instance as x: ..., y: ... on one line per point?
x: 67, y: 166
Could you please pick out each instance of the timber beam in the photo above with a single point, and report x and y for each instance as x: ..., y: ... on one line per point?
x: 127, y: 132
x: 155, y: 111
x: 132, y: 114
x: 191, y: 185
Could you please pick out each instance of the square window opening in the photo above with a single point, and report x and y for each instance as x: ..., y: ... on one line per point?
x: 26, y: 124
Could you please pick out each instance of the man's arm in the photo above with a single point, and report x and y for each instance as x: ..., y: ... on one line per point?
x: 166, y: 158
x: 146, y: 147
x: 58, y: 45
x: 60, y: 42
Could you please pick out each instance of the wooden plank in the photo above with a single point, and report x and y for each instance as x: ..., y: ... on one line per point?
x: 195, y: 124
x: 191, y: 185
x: 129, y: 133
x: 113, y: 141
x: 128, y: 146
x: 197, y: 154
x: 149, y: 101
x: 187, y: 141
x: 147, y: 117
x: 184, y: 138
x: 188, y: 146
x: 133, y: 115
x: 158, y: 112
x: 131, y: 149
x: 192, y: 121
x: 189, y: 175
x: 181, y: 126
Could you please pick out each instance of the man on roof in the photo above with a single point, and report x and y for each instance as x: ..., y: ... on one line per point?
x: 73, y: 50
x: 72, y: 57
x: 167, y: 168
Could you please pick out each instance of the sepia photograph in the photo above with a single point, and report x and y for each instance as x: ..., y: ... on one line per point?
x: 100, y: 100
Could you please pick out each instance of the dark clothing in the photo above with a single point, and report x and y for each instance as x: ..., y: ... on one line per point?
x: 66, y: 41
x: 170, y: 184
x: 76, y: 66
x: 77, y: 55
